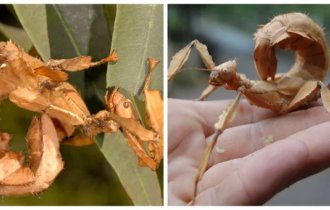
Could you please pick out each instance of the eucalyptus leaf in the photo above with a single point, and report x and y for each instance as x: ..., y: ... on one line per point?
x: 138, y: 34
x: 65, y: 31
x: 17, y: 35
x: 140, y: 183
x: 33, y: 20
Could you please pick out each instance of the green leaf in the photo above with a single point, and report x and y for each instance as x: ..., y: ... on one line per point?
x: 64, y: 31
x: 138, y: 34
x: 33, y: 20
x: 17, y: 35
x: 140, y: 183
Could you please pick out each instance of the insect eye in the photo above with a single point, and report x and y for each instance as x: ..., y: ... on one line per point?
x: 126, y: 105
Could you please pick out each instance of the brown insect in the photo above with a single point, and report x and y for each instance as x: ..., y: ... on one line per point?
x: 122, y: 111
x: 39, y: 87
x: 45, y: 161
x: 281, y: 93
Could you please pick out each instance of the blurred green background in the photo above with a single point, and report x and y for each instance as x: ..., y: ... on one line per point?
x: 87, y: 178
x: 228, y: 30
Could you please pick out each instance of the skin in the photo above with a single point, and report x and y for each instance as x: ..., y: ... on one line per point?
x: 250, y: 170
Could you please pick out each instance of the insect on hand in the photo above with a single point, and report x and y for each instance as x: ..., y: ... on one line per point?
x: 39, y: 87
x: 281, y: 93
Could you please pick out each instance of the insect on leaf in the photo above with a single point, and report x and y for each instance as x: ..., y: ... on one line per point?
x: 66, y: 31
x: 133, y: 127
x: 136, y: 37
x: 154, y: 108
x: 140, y: 183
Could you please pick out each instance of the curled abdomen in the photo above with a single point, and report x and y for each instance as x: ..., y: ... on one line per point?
x: 298, y: 32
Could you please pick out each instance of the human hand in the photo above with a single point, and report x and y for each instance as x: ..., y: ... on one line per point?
x: 251, y: 169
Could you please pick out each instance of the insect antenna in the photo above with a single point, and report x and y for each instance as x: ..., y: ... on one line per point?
x: 194, y: 69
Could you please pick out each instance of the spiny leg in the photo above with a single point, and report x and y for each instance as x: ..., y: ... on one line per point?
x: 154, y: 109
x: 180, y: 58
x: 308, y: 91
x: 153, y: 100
x: 207, y: 91
x: 55, y: 68
x: 135, y: 144
x: 152, y: 63
x: 99, y: 123
x: 44, y: 165
x: 81, y: 63
x: 224, y: 119
x: 134, y: 126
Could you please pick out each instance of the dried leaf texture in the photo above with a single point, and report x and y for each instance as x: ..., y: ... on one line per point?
x: 298, y: 32
x: 79, y: 63
x: 281, y: 93
x: 325, y: 95
x: 298, y: 86
x: 154, y: 107
x: 180, y: 58
x: 133, y: 126
x: 45, y: 161
x: 123, y: 112
x: 29, y: 83
x: 14, y: 70
x: 55, y: 75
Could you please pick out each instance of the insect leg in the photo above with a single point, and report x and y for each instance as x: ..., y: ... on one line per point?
x: 135, y: 144
x: 44, y: 165
x: 80, y: 63
x: 180, y: 58
x: 325, y: 96
x: 306, y: 93
x: 154, y: 109
x: 224, y: 119
x: 207, y: 91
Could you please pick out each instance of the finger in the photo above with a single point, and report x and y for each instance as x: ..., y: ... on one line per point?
x: 173, y: 200
x: 180, y: 189
x: 257, y: 177
x: 209, y: 111
x: 185, y: 116
x: 240, y: 141
x: 183, y: 122
x: 245, y: 113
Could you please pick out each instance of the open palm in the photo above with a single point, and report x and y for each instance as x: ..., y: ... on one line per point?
x: 250, y: 162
